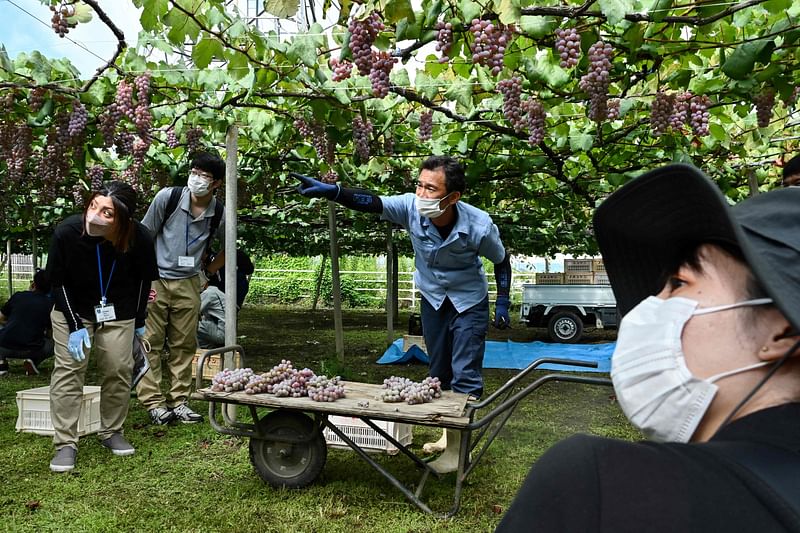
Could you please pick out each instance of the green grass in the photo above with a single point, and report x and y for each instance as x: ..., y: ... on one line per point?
x: 190, y: 478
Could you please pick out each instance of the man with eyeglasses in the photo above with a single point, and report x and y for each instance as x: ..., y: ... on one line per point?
x: 184, y: 221
x: 449, y: 238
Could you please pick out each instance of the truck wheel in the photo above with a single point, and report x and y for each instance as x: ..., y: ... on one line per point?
x: 565, y: 327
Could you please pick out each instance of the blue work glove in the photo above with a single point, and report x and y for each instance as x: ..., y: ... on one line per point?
x: 139, y: 332
x: 78, y: 339
x: 311, y: 188
x: 501, y: 318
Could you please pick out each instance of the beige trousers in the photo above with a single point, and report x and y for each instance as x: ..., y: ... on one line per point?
x: 112, y: 346
x: 172, y: 317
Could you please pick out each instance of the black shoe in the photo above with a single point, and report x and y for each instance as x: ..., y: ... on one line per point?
x: 30, y: 368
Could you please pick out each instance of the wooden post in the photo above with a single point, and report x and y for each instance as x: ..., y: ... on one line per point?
x: 336, y: 285
x: 390, y: 289
x: 752, y: 180
x: 231, y: 176
x: 8, y: 263
x: 34, y: 250
x: 231, y: 159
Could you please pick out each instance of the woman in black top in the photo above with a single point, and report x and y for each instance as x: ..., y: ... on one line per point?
x: 100, y: 266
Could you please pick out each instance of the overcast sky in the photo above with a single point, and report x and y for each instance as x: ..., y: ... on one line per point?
x: 26, y: 27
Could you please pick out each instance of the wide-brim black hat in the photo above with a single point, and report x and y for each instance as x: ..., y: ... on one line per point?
x: 644, y: 227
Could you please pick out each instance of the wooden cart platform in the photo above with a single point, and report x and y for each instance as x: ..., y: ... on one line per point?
x: 361, y: 400
x: 288, y: 449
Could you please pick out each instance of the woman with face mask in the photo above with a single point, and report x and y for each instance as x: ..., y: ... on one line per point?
x: 706, y: 366
x: 100, y: 265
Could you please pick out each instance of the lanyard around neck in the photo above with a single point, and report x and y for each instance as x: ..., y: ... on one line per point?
x: 103, y: 290
x: 189, y: 223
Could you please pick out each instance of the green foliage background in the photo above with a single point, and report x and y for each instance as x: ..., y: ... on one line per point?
x: 211, y: 69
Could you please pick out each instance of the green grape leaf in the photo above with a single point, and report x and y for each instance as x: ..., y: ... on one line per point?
x: 537, y: 27
x: 615, y: 10
x: 580, y: 141
x: 205, y: 51
x: 470, y: 10
x: 508, y: 10
x: 461, y: 92
x: 5, y: 62
x: 397, y: 10
x: 432, y: 13
x: 283, y: 9
x: 660, y: 9
x: 740, y: 63
x: 304, y: 49
x: 83, y: 13
x: 257, y: 119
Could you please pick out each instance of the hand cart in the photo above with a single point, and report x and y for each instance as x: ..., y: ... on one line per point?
x: 288, y: 449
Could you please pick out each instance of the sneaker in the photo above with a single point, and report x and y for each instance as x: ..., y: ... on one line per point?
x: 64, y: 459
x: 30, y: 368
x: 161, y: 416
x: 3, y: 367
x: 186, y: 415
x: 118, y: 445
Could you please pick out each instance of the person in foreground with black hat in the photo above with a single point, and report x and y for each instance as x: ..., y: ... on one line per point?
x: 706, y: 365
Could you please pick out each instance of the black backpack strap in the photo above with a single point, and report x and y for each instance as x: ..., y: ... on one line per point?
x: 775, y: 470
x: 172, y: 205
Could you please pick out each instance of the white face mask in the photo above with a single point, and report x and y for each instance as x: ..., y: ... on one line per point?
x: 429, y: 207
x: 654, y: 387
x: 198, y: 185
x: 97, y: 226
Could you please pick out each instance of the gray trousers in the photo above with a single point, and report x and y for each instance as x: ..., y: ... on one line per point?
x: 112, y: 349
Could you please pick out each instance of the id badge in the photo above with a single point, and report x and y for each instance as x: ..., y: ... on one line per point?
x: 104, y: 312
x: 185, y: 261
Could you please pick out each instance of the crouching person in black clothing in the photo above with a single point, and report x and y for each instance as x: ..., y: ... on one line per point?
x: 706, y: 366
x: 25, y: 326
x: 100, y: 265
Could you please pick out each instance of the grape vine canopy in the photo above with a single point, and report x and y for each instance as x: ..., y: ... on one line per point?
x: 551, y: 105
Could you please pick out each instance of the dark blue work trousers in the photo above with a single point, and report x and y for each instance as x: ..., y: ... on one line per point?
x: 455, y: 343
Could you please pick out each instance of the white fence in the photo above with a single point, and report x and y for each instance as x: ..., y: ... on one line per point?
x: 21, y: 270
x: 374, y: 283
x: 371, y: 282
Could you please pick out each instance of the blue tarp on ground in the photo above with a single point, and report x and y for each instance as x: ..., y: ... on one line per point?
x: 518, y: 355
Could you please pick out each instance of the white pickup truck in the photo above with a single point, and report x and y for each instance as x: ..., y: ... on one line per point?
x: 566, y: 309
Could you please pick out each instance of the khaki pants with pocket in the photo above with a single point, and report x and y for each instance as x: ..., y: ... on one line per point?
x: 112, y: 351
x: 172, y: 317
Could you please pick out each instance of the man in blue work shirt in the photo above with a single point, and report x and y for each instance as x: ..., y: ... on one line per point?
x: 449, y: 238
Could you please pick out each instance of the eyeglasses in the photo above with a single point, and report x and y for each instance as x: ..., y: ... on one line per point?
x: 203, y: 174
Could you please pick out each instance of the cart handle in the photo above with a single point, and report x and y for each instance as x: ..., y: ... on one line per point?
x: 513, y: 400
x: 531, y: 367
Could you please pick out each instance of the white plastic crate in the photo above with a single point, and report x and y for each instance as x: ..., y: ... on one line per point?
x: 34, y: 411
x: 366, y: 437
x: 601, y: 278
x: 578, y: 265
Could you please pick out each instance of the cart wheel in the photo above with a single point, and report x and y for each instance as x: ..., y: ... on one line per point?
x: 284, y: 464
x: 565, y: 327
